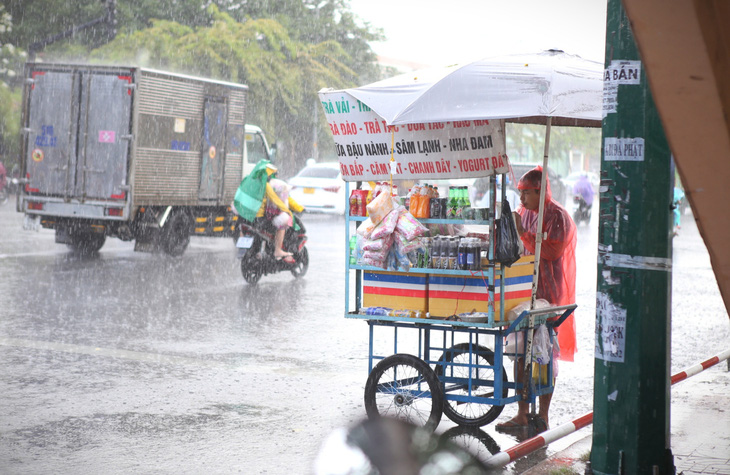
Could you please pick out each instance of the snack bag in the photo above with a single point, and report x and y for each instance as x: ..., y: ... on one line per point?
x: 387, y: 225
x: 380, y: 207
x: 366, y: 229
x: 410, y: 227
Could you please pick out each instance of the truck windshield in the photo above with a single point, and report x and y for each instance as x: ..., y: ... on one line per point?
x: 255, y: 148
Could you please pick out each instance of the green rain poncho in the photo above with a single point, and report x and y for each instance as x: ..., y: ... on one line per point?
x: 251, y: 191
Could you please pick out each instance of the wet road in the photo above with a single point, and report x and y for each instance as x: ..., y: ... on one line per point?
x: 129, y: 362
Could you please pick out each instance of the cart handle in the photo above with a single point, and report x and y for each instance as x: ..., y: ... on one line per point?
x: 566, y: 309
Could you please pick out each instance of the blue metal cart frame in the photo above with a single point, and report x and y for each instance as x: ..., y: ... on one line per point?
x: 435, y: 370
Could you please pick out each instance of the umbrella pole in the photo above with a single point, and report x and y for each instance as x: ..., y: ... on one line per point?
x: 538, y: 245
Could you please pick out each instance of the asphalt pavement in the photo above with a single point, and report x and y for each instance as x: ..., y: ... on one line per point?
x: 139, y: 363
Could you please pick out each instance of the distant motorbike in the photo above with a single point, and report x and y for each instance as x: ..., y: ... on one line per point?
x: 256, y: 250
x: 582, y: 210
x: 10, y: 187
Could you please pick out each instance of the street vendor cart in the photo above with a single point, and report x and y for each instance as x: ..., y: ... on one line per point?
x: 422, y: 366
x: 437, y: 333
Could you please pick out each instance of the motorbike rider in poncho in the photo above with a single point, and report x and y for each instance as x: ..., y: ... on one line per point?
x: 262, y: 195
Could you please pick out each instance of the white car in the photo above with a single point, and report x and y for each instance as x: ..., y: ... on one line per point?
x: 319, y: 187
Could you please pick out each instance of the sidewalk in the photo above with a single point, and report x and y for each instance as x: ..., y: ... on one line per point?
x: 700, y: 429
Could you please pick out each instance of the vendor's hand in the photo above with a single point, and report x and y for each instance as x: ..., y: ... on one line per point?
x: 518, y: 222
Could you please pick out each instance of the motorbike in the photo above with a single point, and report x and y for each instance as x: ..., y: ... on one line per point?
x: 10, y: 187
x: 582, y: 210
x: 256, y: 250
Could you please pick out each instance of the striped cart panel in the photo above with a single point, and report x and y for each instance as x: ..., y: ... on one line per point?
x: 395, y: 290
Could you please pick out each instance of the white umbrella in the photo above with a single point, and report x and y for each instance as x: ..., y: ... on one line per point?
x: 520, y: 88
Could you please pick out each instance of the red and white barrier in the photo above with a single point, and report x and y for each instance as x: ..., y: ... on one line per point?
x: 501, y: 459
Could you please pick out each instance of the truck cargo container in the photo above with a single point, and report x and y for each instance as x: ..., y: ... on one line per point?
x: 133, y: 153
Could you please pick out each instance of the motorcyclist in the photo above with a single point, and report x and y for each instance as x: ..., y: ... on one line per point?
x: 277, y: 207
x: 584, y: 189
x: 3, y: 175
x: 257, y: 199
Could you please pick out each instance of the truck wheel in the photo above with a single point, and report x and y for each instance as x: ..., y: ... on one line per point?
x: 86, y: 243
x: 176, y: 234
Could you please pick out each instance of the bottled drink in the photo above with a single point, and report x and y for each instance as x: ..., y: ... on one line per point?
x: 477, y: 254
x: 353, y: 245
x: 415, y: 200
x: 462, y: 253
x: 453, y: 203
x: 435, y: 252
x: 435, y: 211
x: 424, y: 205
x: 354, y: 206
x: 459, y: 206
x: 453, y: 252
x: 422, y: 254
x: 468, y: 210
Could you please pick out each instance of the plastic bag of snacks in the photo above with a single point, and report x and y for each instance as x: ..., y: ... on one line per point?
x: 409, y: 226
x: 373, y: 244
x: 366, y: 228
x: 377, y: 258
x: 387, y: 225
x: 405, y: 245
x: 380, y: 206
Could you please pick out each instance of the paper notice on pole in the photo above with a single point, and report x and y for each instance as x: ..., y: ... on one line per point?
x: 623, y: 149
x: 438, y: 150
x: 618, y: 72
x: 610, y: 329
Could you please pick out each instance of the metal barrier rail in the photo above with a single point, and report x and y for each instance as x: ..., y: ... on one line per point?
x: 501, y: 459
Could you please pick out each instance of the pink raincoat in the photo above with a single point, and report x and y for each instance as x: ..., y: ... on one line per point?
x: 556, y: 282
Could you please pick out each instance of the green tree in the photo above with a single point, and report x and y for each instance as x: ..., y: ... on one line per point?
x: 526, y: 142
x: 283, y: 74
x: 11, y: 65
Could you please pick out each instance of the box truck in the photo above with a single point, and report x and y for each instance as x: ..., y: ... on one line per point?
x: 133, y: 153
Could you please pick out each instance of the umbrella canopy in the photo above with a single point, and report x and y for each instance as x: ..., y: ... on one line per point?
x: 521, y: 88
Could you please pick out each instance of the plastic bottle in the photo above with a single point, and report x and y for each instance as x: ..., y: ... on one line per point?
x: 444, y: 261
x: 353, y: 245
x: 453, y: 203
x: 415, y: 200
x: 453, y: 252
x: 435, y: 208
x: 468, y: 210
x: 407, y: 203
x: 424, y: 205
x: 402, y: 313
x: 476, y: 254
x: 435, y: 252
x: 459, y: 207
x: 462, y: 253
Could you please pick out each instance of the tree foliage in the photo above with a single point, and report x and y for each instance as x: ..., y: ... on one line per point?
x: 283, y: 74
x: 284, y: 50
x: 526, y: 144
x: 11, y: 64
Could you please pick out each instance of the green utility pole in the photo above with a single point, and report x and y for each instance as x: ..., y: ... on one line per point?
x: 633, y: 298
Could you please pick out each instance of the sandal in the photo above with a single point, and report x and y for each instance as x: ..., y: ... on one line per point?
x: 287, y: 259
x: 510, y: 426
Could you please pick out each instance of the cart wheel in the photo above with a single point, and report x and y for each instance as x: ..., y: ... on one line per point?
x: 404, y: 387
x: 455, y: 361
